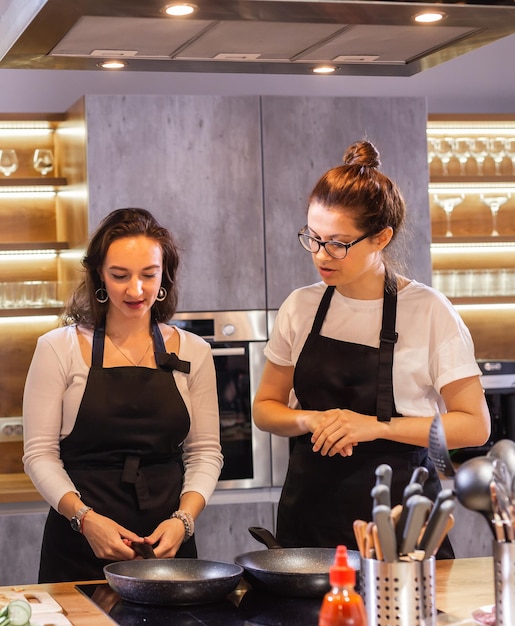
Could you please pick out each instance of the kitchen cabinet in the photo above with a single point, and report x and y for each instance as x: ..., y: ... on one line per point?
x: 195, y: 163
x: 472, y: 205
x: 303, y: 137
x: 43, y: 225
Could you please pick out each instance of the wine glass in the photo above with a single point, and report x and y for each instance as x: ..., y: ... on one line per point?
x: 462, y: 151
x: 498, y: 152
x: 8, y: 161
x: 509, y: 147
x: 446, y: 152
x: 448, y: 205
x: 479, y: 150
x: 495, y: 203
x: 43, y: 161
x: 433, y: 148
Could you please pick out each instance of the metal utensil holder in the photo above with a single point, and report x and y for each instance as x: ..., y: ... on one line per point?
x: 504, y: 580
x: 400, y: 593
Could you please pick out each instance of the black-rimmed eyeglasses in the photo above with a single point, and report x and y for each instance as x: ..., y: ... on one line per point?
x: 336, y: 249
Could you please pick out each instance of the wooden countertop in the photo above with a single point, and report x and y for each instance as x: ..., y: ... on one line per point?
x: 462, y: 585
x: 18, y: 488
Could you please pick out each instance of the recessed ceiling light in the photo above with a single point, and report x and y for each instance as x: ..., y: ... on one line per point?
x: 112, y: 65
x: 180, y: 10
x: 324, y: 69
x: 429, y: 17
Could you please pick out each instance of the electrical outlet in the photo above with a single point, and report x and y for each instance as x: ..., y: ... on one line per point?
x: 11, y: 429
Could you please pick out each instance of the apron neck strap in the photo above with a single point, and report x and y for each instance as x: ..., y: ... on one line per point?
x: 388, y: 338
x: 97, y: 351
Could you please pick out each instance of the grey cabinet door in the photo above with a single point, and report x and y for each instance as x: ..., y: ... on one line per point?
x: 195, y: 163
x: 305, y: 136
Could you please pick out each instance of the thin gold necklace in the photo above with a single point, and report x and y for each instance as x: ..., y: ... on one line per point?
x: 127, y: 357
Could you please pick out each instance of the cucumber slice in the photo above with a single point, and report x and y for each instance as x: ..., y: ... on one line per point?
x: 19, y: 612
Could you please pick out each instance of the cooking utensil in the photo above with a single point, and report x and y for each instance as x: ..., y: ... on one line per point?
x: 385, y: 532
x: 418, y: 511
x: 472, y: 486
x: 411, y: 489
x: 436, y: 528
x: 504, y: 449
x: 420, y: 475
x: 172, y: 581
x: 438, y: 447
x: 295, y: 572
x: 384, y: 475
x: 381, y: 495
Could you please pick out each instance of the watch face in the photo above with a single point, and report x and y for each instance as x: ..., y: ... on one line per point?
x: 75, y: 523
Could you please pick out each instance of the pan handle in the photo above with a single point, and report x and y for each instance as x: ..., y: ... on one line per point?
x: 265, y: 537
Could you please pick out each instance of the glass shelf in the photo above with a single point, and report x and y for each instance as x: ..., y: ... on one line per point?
x: 35, y: 181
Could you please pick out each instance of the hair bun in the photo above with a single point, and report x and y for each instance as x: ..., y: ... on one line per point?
x: 362, y: 153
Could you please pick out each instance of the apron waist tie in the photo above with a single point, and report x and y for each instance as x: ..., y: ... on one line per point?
x: 131, y: 474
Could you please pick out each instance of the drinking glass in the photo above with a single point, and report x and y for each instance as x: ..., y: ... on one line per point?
x: 495, y: 203
x: 498, y: 152
x: 509, y: 147
x: 8, y: 161
x: 479, y: 150
x: 446, y: 152
x: 462, y: 151
x: 43, y: 161
x: 433, y: 148
x: 448, y: 205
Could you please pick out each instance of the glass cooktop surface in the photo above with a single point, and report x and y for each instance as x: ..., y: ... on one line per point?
x: 243, y: 607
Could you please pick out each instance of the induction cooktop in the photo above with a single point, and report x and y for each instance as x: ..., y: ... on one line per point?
x: 243, y: 607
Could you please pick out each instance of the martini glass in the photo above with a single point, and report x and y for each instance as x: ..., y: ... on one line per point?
x: 509, y: 147
x: 448, y: 205
x: 495, y: 203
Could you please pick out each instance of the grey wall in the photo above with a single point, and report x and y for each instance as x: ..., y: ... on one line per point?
x: 480, y: 81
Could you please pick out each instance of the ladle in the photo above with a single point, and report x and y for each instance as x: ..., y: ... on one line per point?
x: 472, y: 486
x: 504, y: 449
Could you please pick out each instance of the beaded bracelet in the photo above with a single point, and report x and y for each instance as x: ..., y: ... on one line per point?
x: 187, y: 519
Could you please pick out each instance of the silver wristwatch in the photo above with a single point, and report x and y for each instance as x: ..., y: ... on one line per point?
x: 76, y: 520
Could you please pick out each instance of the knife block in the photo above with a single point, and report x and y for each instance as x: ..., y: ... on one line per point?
x: 504, y: 581
x: 401, y: 593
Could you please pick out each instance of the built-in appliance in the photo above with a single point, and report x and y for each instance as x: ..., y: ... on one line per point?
x: 237, y: 340
x: 498, y: 381
x: 241, y: 608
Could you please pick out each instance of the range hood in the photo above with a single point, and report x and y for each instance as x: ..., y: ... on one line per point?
x: 248, y: 36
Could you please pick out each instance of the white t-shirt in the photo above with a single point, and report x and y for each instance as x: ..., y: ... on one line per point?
x: 434, y: 346
x: 53, y: 392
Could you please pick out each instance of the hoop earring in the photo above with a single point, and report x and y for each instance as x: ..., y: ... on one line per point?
x: 101, y: 295
x: 161, y: 294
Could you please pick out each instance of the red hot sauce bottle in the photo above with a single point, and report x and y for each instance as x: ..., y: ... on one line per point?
x: 342, y: 606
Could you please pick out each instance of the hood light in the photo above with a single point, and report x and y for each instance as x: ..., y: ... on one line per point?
x: 112, y: 65
x: 324, y: 69
x: 180, y: 10
x: 429, y: 17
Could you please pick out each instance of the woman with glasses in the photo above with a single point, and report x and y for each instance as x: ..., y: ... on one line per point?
x: 358, y: 363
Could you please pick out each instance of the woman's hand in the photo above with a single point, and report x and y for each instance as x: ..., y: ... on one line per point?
x: 107, y: 539
x: 341, y: 429
x: 167, y: 538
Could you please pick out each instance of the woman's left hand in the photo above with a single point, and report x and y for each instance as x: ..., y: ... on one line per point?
x: 167, y: 538
x: 340, y: 430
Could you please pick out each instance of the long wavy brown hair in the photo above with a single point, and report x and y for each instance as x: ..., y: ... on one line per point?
x: 83, y: 308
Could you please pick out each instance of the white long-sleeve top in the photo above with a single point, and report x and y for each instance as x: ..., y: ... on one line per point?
x: 53, y: 392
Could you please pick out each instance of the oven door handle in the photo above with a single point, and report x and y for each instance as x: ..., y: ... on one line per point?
x: 228, y: 351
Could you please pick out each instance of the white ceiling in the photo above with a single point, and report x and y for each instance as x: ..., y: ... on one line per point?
x: 481, y: 81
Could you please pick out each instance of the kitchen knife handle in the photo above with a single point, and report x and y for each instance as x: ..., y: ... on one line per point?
x: 418, y: 511
x: 410, y: 490
x: 385, y: 532
x: 437, y: 528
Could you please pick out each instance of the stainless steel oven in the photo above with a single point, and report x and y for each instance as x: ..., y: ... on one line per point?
x: 237, y: 340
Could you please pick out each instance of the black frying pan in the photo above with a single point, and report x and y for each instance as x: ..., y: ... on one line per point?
x: 172, y: 581
x: 297, y: 572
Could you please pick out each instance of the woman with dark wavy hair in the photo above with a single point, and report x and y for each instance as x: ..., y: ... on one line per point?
x: 358, y: 363
x: 121, y: 421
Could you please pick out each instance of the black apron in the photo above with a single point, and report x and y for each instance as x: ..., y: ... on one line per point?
x: 322, y: 495
x: 124, y: 455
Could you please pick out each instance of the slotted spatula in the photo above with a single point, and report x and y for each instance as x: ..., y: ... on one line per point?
x: 438, y: 447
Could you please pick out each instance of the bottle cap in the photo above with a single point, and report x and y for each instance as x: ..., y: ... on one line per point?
x: 341, y: 573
